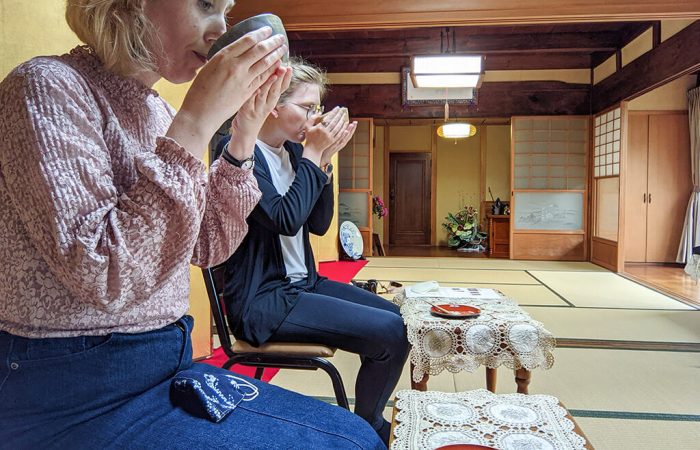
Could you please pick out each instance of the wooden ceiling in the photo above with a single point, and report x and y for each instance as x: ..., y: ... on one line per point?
x: 514, y: 35
x: 523, y: 47
x: 373, y: 14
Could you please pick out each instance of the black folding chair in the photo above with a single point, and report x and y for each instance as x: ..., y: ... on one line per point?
x: 285, y: 355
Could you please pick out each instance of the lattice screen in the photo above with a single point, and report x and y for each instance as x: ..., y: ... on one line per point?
x: 607, y: 144
x: 550, y: 153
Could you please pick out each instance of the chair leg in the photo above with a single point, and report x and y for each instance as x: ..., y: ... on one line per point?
x: 338, y: 386
x: 259, y: 373
x: 242, y: 359
x: 305, y: 362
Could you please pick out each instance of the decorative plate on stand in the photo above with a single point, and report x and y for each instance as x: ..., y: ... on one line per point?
x: 351, y: 240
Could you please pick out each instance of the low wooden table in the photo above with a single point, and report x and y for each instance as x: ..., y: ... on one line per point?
x: 503, y: 334
x: 477, y: 421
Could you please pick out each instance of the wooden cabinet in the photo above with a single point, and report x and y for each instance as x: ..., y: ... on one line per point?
x: 658, y: 185
x: 499, y: 236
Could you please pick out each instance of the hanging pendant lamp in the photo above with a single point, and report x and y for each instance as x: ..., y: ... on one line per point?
x: 455, y: 130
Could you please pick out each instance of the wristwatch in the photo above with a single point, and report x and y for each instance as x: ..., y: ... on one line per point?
x: 246, y: 164
x: 327, y: 169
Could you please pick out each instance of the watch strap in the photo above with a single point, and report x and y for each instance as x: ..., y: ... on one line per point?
x: 229, y: 158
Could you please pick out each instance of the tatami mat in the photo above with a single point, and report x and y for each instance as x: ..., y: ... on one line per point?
x: 619, y: 386
x: 618, y: 434
x: 398, y: 261
x: 524, y: 294
x: 481, y: 264
x: 606, y: 290
x: 414, y: 274
x: 616, y: 324
x: 611, y: 380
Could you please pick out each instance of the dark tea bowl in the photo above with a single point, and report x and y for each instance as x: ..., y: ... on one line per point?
x: 246, y: 26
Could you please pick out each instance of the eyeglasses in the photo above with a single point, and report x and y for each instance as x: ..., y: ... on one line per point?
x: 311, y: 110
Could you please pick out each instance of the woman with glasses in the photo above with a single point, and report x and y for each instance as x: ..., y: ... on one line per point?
x: 273, y: 292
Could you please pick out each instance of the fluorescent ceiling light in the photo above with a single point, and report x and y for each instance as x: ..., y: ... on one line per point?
x: 447, y: 81
x: 446, y: 64
x: 447, y: 71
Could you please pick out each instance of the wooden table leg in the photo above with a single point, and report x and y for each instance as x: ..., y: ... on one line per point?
x: 422, y: 385
x: 491, y: 379
x: 522, y: 379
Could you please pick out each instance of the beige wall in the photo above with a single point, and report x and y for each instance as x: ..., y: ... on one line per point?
x: 32, y: 28
x: 410, y: 138
x: 604, y: 70
x: 639, y: 46
x: 671, y: 27
x: 458, y: 167
x: 458, y: 179
x: 497, y: 162
x: 669, y: 97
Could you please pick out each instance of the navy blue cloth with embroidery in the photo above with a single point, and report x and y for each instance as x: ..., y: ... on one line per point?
x: 209, y: 396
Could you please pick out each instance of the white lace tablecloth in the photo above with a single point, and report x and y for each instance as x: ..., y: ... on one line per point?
x: 428, y: 420
x: 503, y: 334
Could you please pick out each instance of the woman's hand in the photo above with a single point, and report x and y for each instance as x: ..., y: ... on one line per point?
x: 327, y: 137
x: 250, y: 118
x: 227, y: 81
x: 343, y: 138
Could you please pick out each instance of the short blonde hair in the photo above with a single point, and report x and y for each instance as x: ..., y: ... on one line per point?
x: 118, y: 31
x: 305, y: 72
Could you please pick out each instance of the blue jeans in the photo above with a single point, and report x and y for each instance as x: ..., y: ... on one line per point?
x: 113, y: 392
x: 351, y: 319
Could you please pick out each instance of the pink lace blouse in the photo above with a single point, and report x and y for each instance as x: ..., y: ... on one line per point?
x: 100, y: 215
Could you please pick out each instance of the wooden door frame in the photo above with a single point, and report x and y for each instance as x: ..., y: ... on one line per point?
x: 433, y: 177
x: 619, y: 263
x: 400, y: 161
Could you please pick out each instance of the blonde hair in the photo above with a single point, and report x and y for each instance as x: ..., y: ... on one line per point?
x: 118, y: 31
x: 305, y: 72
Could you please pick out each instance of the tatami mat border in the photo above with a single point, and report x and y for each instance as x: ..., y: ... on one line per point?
x: 482, y: 270
x: 616, y: 309
x: 610, y: 344
x: 634, y: 415
x: 551, y: 290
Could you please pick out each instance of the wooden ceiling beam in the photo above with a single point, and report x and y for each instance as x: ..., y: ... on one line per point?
x: 484, y: 44
x: 495, y: 100
x: 677, y: 56
x: 329, y: 15
x: 505, y: 61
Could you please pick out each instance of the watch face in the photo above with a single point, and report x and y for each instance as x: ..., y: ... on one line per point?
x: 329, y: 169
x: 248, y: 164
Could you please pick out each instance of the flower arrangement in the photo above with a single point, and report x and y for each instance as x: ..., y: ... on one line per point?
x: 463, y: 229
x: 378, y: 207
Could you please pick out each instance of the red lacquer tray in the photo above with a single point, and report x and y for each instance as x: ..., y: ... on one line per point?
x: 455, y: 311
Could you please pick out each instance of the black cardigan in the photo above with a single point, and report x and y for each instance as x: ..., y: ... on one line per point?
x: 258, y: 294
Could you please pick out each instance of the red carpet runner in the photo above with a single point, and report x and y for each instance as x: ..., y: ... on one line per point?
x: 341, y: 271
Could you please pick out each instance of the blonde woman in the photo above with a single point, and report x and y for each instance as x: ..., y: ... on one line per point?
x: 273, y: 291
x: 104, y: 202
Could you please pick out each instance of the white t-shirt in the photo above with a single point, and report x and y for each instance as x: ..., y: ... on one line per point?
x: 282, y: 175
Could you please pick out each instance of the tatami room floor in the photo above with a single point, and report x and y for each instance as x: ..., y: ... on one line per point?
x: 627, y: 363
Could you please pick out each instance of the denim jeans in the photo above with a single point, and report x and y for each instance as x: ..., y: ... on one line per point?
x: 352, y: 319
x: 99, y: 392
